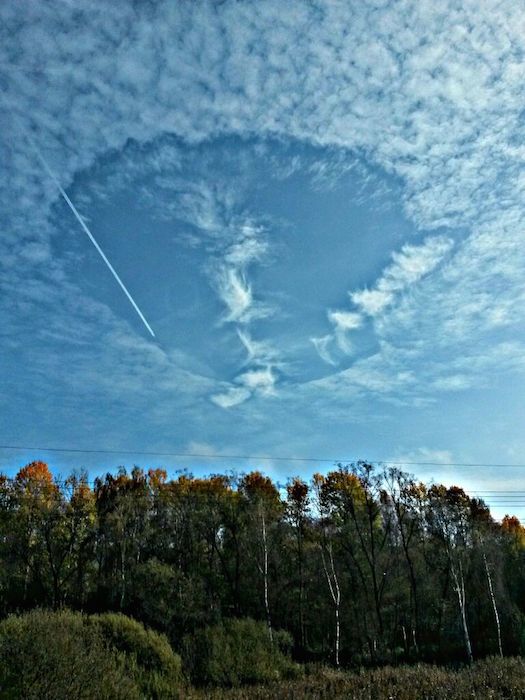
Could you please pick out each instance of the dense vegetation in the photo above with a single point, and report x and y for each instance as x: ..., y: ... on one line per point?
x: 360, y: 567
x: 491, y: 679
x: 54, y: 655
x: 64, y: 655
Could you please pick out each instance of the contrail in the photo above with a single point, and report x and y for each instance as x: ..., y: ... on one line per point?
x: 90, y: 235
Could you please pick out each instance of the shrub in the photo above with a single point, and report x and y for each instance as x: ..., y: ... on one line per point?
x: 237, y: 652
x: 491, y: 679
x: 149, y: 655
x: 55, y: 656
x: 156, y: 610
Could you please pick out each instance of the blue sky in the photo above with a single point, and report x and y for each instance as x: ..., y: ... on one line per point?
x: 318, y: 207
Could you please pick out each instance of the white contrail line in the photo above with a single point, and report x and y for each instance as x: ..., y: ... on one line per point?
x: 90, y: 236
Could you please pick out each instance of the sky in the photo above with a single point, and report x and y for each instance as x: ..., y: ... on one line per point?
x: 318, y: 208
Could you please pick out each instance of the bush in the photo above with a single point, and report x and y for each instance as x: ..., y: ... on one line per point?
x: 55, y: 656
x: 65, y: 656
x: 491, y: 679
x: 155, y: 665
x: 156, y: 610
x: 237, y: 652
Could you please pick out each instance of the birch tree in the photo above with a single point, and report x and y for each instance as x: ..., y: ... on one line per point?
x: 407, y: 498
x: 265, y: 508
x: 448, y: 515
x: 297, y: 511
x: 326, y: 546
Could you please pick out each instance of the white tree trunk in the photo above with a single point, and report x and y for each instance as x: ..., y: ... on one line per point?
x: 335, y: 592
x: 493, y: 599
x: 459, y: 587
x: 265, y: 574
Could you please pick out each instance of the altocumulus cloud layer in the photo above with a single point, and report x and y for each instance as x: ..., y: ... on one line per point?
x: 429, y: 94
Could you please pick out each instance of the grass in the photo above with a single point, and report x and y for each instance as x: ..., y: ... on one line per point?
x: 490, y: 679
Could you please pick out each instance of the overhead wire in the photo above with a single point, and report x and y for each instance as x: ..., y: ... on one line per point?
x: 276, y: 458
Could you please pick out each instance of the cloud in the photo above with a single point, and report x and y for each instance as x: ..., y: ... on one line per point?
x: 410, y: 104
x: 259, y: 352
x: 236, y: 293
x: 36, y: 252
x: 201, y: 448
x: 424, y: 454
x: 261, y: 379
x: 322, y: 345
x: 372, y: 301
x: 412, y: 376
x: 232, y: 397
x: 250, y: 247
x: 382, y: 375
x: 453, y: 382
x: 345, y: 320
x: 432, y: 93
x: 229, y: 274
x: 408, y: 267
x: 258, y: 381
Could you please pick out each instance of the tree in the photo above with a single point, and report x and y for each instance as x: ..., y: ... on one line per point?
x: 363, y: 565
x: 297, y: 512
x: 407, y: 498
x: 264, y: 507
x: 326, y: 548
x: 448, y: 515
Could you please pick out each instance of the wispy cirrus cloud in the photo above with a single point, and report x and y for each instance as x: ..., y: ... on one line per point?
x: 229, y: 274
x: 322, y: 345
x: 236, y: 293
x: 259, y: 380
x: 343, y: 322
x: 431, y: 93
x: 410, y: 265
x: 232, y: 396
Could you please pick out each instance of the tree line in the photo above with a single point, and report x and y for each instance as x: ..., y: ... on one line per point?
x: 362, y: 565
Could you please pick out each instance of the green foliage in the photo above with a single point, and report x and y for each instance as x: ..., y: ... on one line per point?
x: 156, y: 610
x: 65, y: 655
x: 149, y: 655
x: 55, y: 656
x: 492, y: 679
x: 237, y: 652
x: 363, y: 566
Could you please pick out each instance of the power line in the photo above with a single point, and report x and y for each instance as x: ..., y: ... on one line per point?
x: 502, y: 502
x: 276, y: 458
x: 496, y: 496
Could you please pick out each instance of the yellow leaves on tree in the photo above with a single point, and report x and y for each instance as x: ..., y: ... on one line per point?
x: 256, y: 487
x: 511, y: 525
x: 36, y: 481
x: 34, y: 473
x: 297, y: 492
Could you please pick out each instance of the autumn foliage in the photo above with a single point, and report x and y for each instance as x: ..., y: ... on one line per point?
x: 360, y: 566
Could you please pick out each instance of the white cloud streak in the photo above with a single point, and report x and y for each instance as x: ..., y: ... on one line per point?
x: 345, y: 320
x: 322, y: 345
x: 92, y: 238
x: 230, y: 275
x: 430, y: 92
x: 232, y: 397
x: 236, y: 293
x: 408, y: 267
